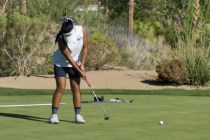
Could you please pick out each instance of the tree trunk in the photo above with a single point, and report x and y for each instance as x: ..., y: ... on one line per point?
x: 196, y: 13
x: 23, y: 6
x: 131, y: 14
x: 3, y: 7
x: 107, y: 8
x: 99, y: 5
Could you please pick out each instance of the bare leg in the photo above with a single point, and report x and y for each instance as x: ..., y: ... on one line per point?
x: 75, y: 88
x: 60, y: 87
x: 57, y: 96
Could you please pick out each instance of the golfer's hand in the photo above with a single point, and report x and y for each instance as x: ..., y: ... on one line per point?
x: 82, y: 71
x: 83, y: 75
x: 82, y: 67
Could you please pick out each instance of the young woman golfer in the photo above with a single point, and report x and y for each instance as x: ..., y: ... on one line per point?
x: 69, y: 59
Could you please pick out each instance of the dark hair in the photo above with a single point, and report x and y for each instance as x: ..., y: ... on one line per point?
x: 66, y: 27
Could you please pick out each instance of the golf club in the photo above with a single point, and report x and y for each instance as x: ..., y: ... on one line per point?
x: 105, y: 115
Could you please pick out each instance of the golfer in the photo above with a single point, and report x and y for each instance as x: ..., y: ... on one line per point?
x: 69, y: 58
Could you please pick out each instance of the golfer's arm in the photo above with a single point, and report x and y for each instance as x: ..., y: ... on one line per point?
x: 85, y: 46
x: 67, y: 53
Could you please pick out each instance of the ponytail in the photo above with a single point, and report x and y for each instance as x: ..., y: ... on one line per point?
x: 57, y: 36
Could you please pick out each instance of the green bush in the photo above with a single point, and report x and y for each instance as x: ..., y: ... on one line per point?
x: 144, y: 30
x: 148, y: 30
x: 2, y: 33
x: 102, y: 52
x: 26, y: 44
x: 193, y: 59
x: 207, y: 34
x: 198, y: 63
x: 3, y: 21
x: 175, y: 71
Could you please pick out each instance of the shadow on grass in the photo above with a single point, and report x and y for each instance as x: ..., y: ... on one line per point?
x: 158, y: 83
x: 30, y: 118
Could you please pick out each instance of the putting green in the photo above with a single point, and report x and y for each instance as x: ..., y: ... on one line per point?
x: 185, y: 118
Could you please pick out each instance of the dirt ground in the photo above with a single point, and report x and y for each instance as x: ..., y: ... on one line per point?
x: 112, y: 79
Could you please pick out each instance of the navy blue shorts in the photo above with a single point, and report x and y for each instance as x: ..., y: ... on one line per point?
x: 62, y: 71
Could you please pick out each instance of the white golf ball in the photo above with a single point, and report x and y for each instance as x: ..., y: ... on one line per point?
x: 161, y: 122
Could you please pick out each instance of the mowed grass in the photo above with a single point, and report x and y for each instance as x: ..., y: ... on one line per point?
x: 185, y: 118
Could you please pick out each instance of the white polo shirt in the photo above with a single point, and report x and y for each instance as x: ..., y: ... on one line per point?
x: 75, y: 44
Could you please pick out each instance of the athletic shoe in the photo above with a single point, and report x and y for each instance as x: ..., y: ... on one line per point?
x: 79, y: 119
x: 53, y: 119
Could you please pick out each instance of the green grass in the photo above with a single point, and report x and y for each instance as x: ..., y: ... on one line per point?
x: 185, y: 117
x: 172, y: 92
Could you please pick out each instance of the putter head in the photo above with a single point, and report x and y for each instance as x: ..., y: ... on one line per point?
x: 106, y: 118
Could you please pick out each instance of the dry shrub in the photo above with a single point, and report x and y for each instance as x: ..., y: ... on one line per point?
x: 175, y: 72
x: 138, y: 53
x: 102, y: 53
x: 25, y: 45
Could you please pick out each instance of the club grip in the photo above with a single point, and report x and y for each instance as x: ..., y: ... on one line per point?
x: 86, y: 78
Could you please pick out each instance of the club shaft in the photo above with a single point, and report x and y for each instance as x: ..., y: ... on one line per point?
x: 88, y: 83
x: 99, y: 102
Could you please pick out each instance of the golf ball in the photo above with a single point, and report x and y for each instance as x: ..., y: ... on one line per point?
x: 161, y: 122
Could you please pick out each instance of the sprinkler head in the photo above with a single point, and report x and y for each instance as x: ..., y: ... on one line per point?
x: 106, y: 118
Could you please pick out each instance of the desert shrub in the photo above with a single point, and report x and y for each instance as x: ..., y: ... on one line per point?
x: 137, y: 53
x: 102, y: 52
x: 199, y: 71
x: 2, y: 33
x: 142, y: 54
x: 196, y: 59
x: 149, y: 30
x: 207, y: 36
x: 3, y: 21
x: 145, y: 30
x: 191, y: 42
x: 192, y: 67
x: 198, y: 63
x: 174, y: 71
x: 26, y: 44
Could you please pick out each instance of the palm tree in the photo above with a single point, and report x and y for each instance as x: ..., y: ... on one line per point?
x: 131, y: 13
x: 196, y: 13
x: 3, y: 6
x: 23, y: 6
x: 107, y: 8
